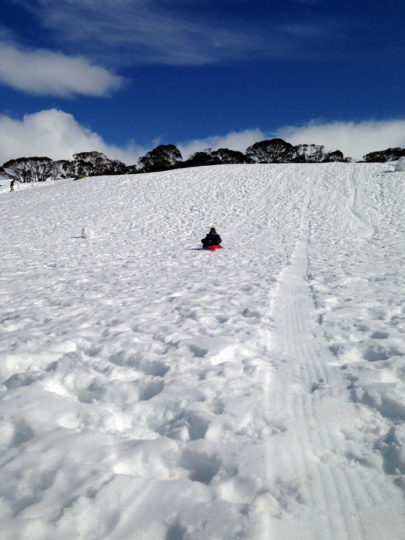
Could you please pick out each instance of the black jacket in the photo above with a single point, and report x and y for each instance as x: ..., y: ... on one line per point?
x: 211, y: 240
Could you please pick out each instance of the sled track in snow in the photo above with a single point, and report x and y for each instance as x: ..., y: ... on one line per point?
x: 316, y: 455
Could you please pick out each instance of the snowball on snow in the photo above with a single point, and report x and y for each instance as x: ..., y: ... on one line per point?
x: 87, y: 232
x: 400, y: 165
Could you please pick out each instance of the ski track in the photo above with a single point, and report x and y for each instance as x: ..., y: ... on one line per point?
x: 162, y: 392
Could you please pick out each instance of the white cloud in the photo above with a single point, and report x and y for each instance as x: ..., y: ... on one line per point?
x: 57, y: 135
x: 353, y: 139
x: 236, y: 140
x: 48, y: 73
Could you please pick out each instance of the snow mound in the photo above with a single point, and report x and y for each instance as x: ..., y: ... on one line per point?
x: 400, y: 164
x: 87, y: 233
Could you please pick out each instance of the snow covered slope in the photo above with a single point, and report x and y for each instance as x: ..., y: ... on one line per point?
x: 152, y: 390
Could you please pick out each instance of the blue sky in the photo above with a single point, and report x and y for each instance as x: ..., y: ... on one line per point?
x: 122, y: 76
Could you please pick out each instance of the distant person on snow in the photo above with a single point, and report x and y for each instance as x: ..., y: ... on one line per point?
x: 212, y: 238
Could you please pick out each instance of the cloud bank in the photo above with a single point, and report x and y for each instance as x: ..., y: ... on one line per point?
x: 58, y: 135
x: 43, y: 72
x: 353, y: 139
x: 55, y: 134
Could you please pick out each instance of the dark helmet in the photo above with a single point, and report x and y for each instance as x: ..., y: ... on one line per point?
x: 213, y: 231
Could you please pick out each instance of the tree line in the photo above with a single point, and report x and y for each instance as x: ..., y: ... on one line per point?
x: 166, y: 157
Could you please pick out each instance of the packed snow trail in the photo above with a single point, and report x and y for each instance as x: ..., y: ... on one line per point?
x: 320, y: 464
x: 153, y: 390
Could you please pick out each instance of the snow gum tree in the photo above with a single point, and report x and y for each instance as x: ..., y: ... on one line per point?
x: 31, y: 169
x: 94, y: 164
x: 161, y: 158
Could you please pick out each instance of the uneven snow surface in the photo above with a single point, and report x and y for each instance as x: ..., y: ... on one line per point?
x: 151, y: 390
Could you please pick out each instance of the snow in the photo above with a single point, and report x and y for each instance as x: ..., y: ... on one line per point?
x: 153, y: 390
x: 400, y: 164
x: 87, y: 233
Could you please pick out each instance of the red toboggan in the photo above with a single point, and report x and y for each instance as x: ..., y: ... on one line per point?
x: 213, y: 248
